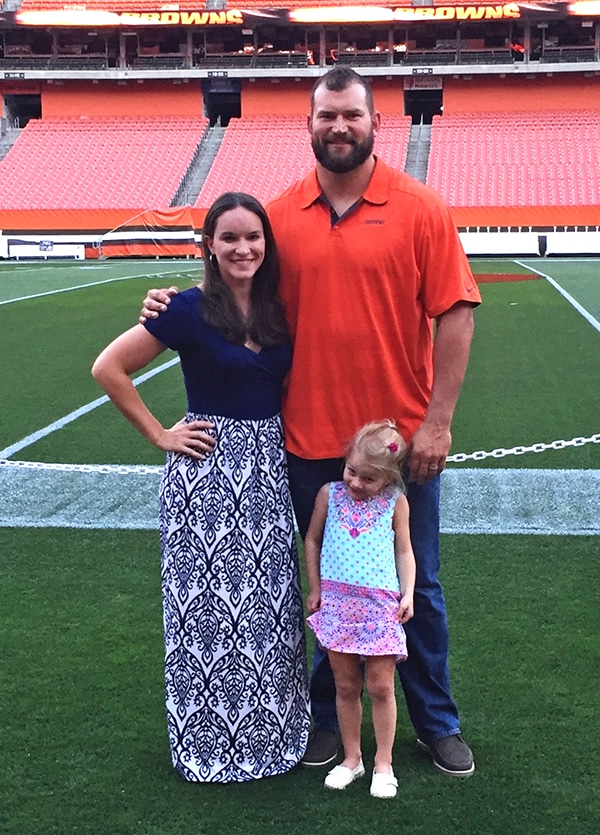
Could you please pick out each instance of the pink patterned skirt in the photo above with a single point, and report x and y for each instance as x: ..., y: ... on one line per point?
x: 359, y: 620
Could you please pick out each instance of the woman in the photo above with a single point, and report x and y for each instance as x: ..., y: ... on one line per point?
x: 236, y: 682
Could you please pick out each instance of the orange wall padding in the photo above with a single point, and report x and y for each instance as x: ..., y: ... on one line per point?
x: 388, y: 94
x: 292, y: 98
x: 526, y: 215
x: 264, y: 98
x: 75, y: 220
x: 516, y: 93
x: 103, y: 220
x: 108, y: 98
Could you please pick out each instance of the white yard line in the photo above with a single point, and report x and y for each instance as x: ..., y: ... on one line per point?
x: 11, y: 450
x: 572, y: 301
x: 90, y: 284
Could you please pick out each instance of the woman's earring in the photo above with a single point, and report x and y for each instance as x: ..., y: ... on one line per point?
x: 213, y: 261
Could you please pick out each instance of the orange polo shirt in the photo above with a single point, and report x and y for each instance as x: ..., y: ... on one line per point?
x: 361, y: 296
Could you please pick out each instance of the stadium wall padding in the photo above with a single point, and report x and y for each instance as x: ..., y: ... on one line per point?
x: 90, y: 226
x: 262, y: 97
x: 518, y: 93
x: 99, y: 221
x: 153, y: 97
x: 289, y: 97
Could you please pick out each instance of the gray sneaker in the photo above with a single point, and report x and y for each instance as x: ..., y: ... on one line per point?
x: 451, y: 754
x: 322, y: 748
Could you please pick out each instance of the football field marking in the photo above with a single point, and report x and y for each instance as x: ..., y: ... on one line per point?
x: 572, y: 301
x: 473, y: 501
x: 11, y: 450
x: 91, y: 284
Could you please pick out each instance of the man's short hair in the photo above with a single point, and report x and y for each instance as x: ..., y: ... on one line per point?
x: 340, y: 78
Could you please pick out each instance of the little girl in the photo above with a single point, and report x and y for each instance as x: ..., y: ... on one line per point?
x: 361, y: 574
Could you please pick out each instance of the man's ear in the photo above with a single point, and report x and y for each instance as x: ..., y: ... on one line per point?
x: 376, y: 122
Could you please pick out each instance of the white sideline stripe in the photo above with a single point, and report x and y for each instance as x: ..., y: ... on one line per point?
x: 65, y: 289
x: 474, y: 501
x: 578, y: 307
x: 90, y: 284
x: 8, y: 451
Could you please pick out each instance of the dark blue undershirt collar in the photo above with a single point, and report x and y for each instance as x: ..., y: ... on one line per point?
x: 335, y: 218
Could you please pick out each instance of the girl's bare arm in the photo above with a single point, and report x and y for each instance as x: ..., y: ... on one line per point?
x: 405, y: 559
x: 312, y: 549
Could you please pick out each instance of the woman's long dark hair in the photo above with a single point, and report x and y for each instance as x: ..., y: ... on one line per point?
x: 267, y: 324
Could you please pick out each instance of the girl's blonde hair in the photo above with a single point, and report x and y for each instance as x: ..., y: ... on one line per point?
x: 382, y: 446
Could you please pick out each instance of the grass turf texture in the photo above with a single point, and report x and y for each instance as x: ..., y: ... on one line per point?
x: 529, y: 378
x: 528, y: 381
x: 83, y: 739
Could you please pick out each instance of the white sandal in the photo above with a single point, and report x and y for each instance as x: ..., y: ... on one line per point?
x: 341, y: 776
x: 383, y: 785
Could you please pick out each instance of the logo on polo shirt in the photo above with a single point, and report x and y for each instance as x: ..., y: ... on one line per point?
x: 374, y: 222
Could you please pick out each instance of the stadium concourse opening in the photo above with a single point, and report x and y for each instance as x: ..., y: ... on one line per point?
x: 19, y: 109
x: 422, y: 105
x: 222, y: 99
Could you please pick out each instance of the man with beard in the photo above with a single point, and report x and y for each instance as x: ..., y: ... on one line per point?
x: 370, y: 260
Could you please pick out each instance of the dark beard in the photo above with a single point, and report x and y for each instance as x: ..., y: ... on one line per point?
x: 359, y: 153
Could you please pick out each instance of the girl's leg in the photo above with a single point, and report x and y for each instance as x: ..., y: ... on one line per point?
x: 380, y: 686
x: 348, y: 686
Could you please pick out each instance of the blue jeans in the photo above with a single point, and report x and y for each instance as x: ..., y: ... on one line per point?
x: 424, y: 675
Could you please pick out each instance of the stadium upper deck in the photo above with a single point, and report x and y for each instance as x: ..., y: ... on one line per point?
x: 271, y: 37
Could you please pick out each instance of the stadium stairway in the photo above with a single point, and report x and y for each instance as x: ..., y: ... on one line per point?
x: 417, y: 155
x: 8, y: 140
x: 199, y: 168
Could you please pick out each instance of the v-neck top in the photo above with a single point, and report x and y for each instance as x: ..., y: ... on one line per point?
x: 221, y: 378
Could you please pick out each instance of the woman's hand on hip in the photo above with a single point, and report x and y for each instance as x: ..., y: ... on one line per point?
x: 188, y: 438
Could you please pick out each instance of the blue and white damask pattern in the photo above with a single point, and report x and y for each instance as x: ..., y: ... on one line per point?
x: 235, y: 660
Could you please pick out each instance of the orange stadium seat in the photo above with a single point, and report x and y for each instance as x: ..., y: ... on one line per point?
x: 98, y: 163
x: 516, y: 159
x: 263, y: 155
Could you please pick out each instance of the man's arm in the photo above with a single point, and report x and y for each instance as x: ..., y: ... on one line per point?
x: 430, y: 444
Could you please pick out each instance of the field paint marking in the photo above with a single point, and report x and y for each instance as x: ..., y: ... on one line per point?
x: 579, y: 308
x: 91, y: 284
x: 473, y: 501
x: 89, y: 407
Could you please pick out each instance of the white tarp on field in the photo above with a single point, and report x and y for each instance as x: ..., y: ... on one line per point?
x: 491, y: 501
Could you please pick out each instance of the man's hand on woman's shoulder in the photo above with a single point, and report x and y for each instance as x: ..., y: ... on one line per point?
x: 156, y: 302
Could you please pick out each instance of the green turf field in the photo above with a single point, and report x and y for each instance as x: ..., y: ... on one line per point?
x: 83, y: 744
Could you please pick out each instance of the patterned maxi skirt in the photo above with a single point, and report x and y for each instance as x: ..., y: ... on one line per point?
x: 235, y: 659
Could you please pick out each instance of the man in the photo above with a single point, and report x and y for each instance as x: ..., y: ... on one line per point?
x: 370, y: 259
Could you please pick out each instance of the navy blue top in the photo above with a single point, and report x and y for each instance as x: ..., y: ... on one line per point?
x: 221, y: 378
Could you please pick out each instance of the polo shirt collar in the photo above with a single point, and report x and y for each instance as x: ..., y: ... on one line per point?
x: 377, y: 191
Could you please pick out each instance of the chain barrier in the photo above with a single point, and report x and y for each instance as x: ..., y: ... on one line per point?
x: 116, y: 469
x: 481, y: 454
